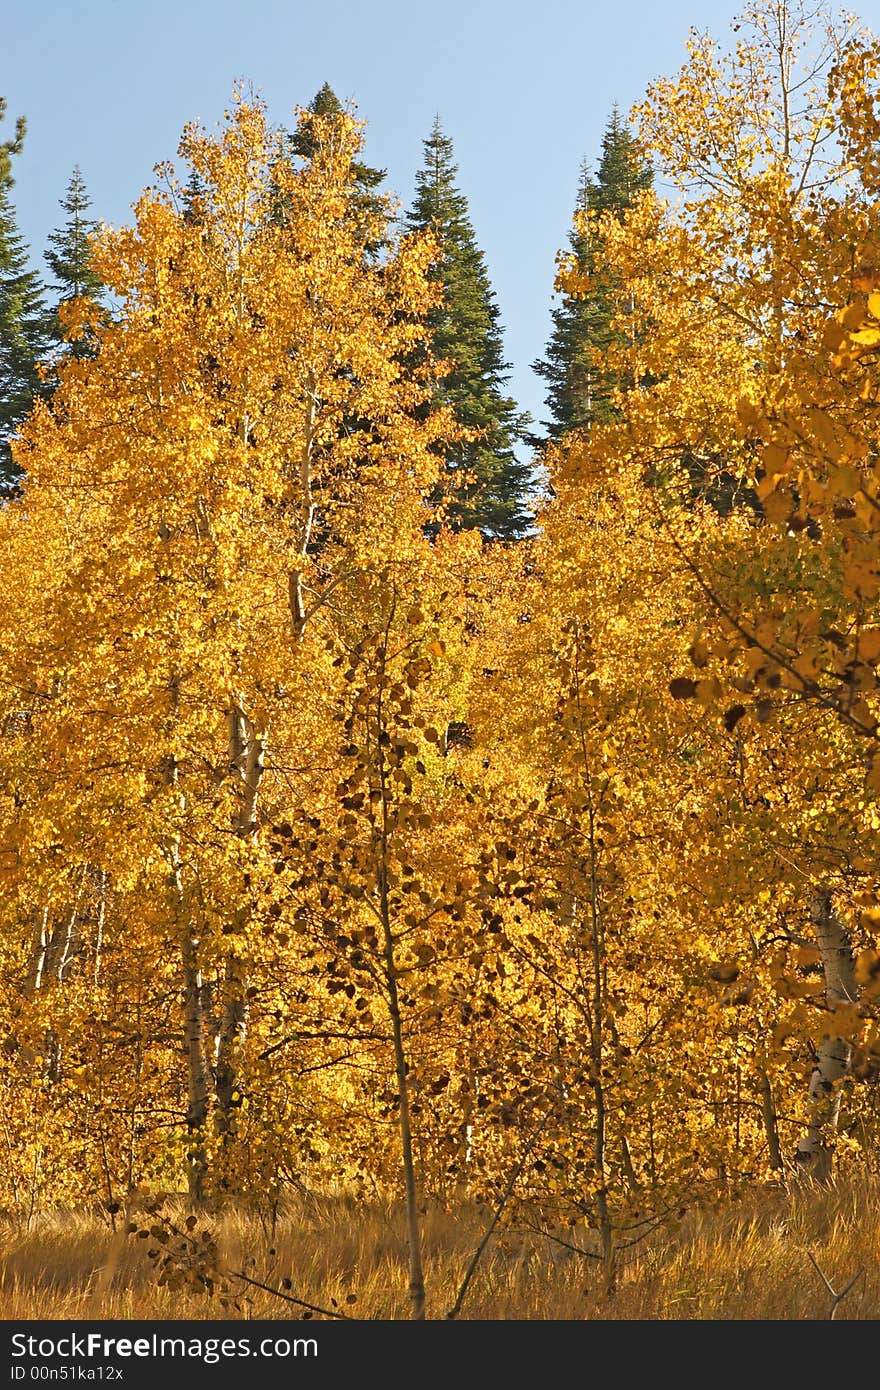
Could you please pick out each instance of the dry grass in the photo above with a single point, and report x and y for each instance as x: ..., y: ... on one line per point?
x: 745, y: 1261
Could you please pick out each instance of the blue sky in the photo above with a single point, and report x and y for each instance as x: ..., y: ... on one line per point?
x: 523, y: 88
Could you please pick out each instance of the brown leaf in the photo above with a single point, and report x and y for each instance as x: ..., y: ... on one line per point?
x: 732, y: 717
x: 682, y: 688
x: 724, y: 972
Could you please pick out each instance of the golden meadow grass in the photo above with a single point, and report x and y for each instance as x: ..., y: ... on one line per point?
x: 745, y: 1261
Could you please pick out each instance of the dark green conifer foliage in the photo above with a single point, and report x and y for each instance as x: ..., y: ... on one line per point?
x: 327, y: 103
x: 10, y: 147
x: 578, y: 392
x: 193, y: 196
x: 467, y: 331
x: 69, y: 258
x: 23, y: 340
x: 367, y: 180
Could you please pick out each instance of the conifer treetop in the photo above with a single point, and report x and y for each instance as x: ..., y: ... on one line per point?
x: 578, y: 389
x: 22, y: 316
x: 489, y: 483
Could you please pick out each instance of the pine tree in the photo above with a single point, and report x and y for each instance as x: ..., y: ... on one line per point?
x: 578, y: 391
x: 22, y: 317
x: 70, y: 261
x: 467, y: 331
x: 10, y: 147
x: 326, y: 103
x: 366, y: 179
x: 193, y: 196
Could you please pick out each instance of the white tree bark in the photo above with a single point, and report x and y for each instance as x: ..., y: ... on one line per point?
x: 246, y: 759
x: 814, y: 1152
x: 197, y: 1075
x: 39, y: 947
x: 196, y: 1063
x: 65, y: 939
x: 296, y: 599
x: 101, y: 889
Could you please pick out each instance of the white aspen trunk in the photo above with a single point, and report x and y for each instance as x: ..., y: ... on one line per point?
x: 627, y: 1164
x: 58, y: 947
x: 251, y: 778
x: 196, y: 1064
x: 65, y: 938
x: 51, y: 953
x: 470, y: 1106
x: 598, y: 1004
x: 771, y: 1127
x: 814, y: 1153
x: 246, y: 758
x: 39, y: 947
x: 416, y: 1271
x: 231, y: 1034
x: 193, y: 1030
x: 99, y: 921
x: 296, y: 598
x: 197, y: 1078
x: 401, y: 1069
x: 67, y: 946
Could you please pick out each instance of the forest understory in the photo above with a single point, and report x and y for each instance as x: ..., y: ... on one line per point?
x: 747, y: 1259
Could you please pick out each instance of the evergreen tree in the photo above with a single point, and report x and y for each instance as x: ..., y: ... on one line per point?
x: 10, y: 147
x: 578, y: 391
x: 22, y: 318
x: 194, y: 191
x: 367, y: 179
x: 467, y: 330
x: 69, y: 259
x: 327, y: 103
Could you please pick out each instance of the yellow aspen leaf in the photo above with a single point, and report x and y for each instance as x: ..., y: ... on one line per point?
x: 846, y: 482
x: 854, y: 448
x: 832, y: 336
x: 862, y: 711
x: 806, y: 989
x: 754, y: 658
x: 778, y: 505
x: 724, y: 972
x: 869, y: 644
x: 748, y: 415
x: 775, y: 458
x: 807, y: 665
x: 822, y: 427
x: 708, y: 690
x: 852, y: 316
x: 767, y: 485
x: 786, y: 1029
x: 866, y: 337
x: 808, y: 955
x: 699, y: 652
x: 844, y: 1022
x: 867, y: 967
x: 860, y: 579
